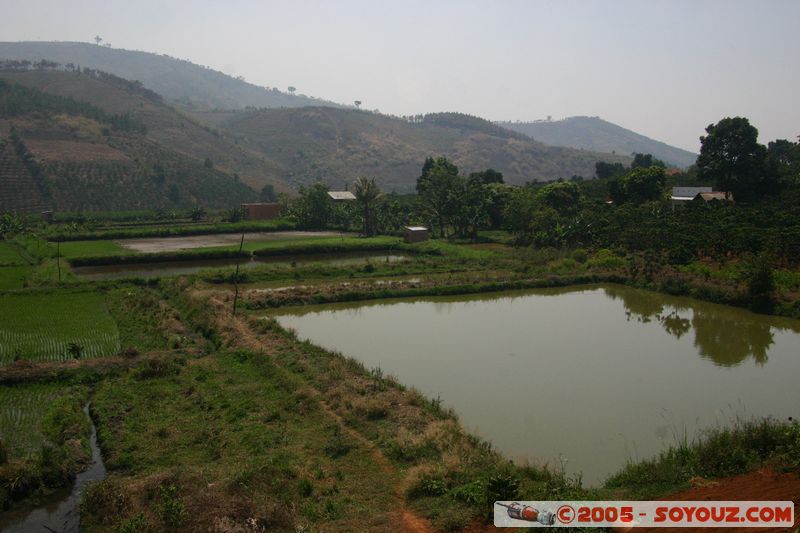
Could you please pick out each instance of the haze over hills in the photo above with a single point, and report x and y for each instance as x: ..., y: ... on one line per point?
x: 285, y: 148
x: 594, y: 133
x: 174, y: 79
x: 198, y: 89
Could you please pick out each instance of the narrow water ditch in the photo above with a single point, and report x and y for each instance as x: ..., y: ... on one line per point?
x: 61, y: 513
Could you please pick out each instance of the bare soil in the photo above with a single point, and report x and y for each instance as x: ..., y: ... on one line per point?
x: 171, y: 244
x: 763, y: 484
x: 57, y: 150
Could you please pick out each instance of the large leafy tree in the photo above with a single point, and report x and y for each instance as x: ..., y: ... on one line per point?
x: 488, y: 176
x: 474, y: 200
x: 367, y: 195
x: 783, y: 161
x: 646, y: 160
x: 562, y: 196
x: 642, y: 184
x: 604, y: 170
x: 438, y: 187
x: 313, y: 208
x: 731, y: 156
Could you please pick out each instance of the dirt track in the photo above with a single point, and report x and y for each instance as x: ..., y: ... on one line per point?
x: 171, y: 244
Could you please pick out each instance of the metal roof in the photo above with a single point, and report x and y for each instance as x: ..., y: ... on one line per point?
x: 688, y: 193
x: 716, y: 195
x: 341, y: 195
x: 416, y: 228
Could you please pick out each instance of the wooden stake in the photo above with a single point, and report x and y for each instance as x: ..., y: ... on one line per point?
x: 236, y: 276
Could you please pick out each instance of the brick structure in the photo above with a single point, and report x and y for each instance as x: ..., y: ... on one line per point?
x: 261, y: 211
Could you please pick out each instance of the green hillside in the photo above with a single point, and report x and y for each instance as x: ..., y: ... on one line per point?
x: 174, y: 79
x: 594, y: 133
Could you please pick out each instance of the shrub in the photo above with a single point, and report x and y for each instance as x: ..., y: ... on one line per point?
x: 104, y: 502
x: 64, y: 420
x: 605, y: 258
x: 337, y: 446
x: 580, y: 255
x: 75, y: 350
x: 157, y: 368
x: 171, y: 509
x: 134, y: 524
x: 305, y: 487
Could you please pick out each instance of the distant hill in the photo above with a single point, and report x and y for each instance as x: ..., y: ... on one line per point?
x: 105, y: 142
x: 59, y: 152
x: 174, y: 79
x: 337, y: 145
x: 593, y: 133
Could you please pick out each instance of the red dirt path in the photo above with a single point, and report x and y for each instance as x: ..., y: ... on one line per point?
x: 763, y: 484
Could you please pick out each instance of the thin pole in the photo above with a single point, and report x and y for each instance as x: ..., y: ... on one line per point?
x: 236, y: 276
x: 58, y: 259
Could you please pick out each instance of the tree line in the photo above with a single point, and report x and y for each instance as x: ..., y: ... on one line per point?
x: 625, y: 207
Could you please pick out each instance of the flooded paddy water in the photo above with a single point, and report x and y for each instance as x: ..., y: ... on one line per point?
x: 581, y: 378
x: 174, y: 244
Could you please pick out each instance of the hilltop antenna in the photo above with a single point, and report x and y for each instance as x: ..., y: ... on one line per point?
x: 98, y: 39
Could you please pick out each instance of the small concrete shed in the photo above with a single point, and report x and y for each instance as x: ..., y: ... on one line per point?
x: 416, y: 234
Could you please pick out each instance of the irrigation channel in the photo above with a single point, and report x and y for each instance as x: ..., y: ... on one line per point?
x: 61, y: 512
x: 582, y: 379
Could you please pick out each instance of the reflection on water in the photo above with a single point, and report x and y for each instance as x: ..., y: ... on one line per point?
x: 726, y: 335
x: 593, y: 376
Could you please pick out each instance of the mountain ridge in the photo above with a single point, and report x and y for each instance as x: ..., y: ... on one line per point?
x: 596, y: 134
x: 175, y: 79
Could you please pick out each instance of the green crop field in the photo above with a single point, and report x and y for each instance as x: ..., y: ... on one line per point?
x: 12, y: 277
x: 43, y: 326
x: 72, y: 249
x: 22, y: 408
x: 9, y: 256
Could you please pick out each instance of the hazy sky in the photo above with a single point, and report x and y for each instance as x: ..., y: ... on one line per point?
x: 663, y: 68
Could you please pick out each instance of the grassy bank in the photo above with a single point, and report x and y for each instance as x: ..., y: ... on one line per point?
x: 719, y: 452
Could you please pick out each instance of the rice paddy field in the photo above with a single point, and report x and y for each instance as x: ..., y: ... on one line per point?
x: 22, y: 409
x: 13, y: 267
x: 9, y: 256
x: 44, y: 326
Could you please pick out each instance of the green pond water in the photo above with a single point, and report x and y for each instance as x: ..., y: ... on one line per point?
x: 580, y: 378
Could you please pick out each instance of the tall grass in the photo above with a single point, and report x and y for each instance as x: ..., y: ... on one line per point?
x: 719, y: 452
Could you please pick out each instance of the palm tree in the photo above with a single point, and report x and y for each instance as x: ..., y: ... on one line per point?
x: 367, y: 195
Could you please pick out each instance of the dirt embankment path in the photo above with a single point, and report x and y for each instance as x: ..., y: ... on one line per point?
x: 763, y: 484
x: 173, y: 244
x: 236, y: 330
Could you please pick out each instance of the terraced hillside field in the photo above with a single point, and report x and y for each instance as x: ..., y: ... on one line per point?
x: 49, y: 327
x: 19, y: 191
